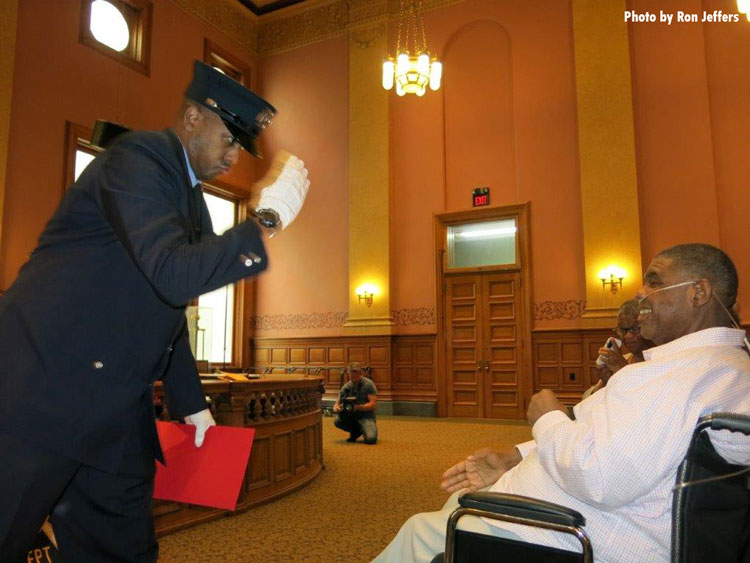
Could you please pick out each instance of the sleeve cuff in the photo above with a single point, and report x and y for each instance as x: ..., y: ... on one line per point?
x: 547, y: 421
x: 526, y: 448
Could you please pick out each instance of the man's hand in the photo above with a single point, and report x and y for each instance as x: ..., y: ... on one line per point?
x: 287, y: 186
x: 481, y: 469
x: 542, y: 403
x: 202, y: 420
x: 613, y: 358
x: 604, y: 373
x: 337, y: 407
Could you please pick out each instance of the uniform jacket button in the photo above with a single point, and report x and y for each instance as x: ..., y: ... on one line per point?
x: 98, y: 364
x: 170, y: 348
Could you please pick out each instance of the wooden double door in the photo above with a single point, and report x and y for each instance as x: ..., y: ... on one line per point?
x: 483, y: 338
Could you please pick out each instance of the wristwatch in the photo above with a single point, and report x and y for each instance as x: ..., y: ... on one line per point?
x: 267, y: 217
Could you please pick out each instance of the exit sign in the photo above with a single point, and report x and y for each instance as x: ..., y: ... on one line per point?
x: 480, y: 197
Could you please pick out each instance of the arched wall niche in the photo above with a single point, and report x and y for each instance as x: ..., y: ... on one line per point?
x: 479, y: 121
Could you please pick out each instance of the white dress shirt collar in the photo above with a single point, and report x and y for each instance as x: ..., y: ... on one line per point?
x: 716, y: 336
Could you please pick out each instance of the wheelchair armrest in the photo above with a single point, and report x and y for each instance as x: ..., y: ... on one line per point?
x: 730, y: 421
x: 523, y: 507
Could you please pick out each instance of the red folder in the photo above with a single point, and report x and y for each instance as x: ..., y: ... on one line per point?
x: 210, y: 475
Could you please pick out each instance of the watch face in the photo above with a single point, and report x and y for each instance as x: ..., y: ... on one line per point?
x: 267, y: 217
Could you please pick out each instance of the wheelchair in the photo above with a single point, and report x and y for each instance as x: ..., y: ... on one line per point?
x: 710, y: 513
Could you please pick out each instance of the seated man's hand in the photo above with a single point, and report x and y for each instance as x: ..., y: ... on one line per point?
x: 287, y: 186
x: 541, y: 403
x: 337, y: 408
x: 481, y: 469
x: 202, y: 420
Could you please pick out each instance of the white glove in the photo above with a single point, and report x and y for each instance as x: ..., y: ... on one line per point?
x: 287, y: 193
x: 201, y: 420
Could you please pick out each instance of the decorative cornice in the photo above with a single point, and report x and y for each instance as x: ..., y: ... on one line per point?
x: 328, y: 20
x: 228, y: 17
x: 302, y: 29
x: 556, y: 310
x: 297, y: 25
x: 300, y: 321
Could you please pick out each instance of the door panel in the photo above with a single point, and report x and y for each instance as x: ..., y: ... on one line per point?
x: 502, y: 347
x: 483, y: 356
x: 464, y: 351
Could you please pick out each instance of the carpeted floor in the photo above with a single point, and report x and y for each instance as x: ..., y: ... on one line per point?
x: 356, y: 505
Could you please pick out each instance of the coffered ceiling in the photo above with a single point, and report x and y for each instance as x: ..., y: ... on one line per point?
x: 260, y: 7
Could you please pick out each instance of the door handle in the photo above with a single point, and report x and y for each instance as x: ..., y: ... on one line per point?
x: 486, y: 365
x: 480, y: 364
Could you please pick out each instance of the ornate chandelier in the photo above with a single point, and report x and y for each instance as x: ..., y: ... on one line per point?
x: 413, y: 68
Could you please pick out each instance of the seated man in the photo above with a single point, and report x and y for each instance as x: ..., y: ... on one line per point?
x: 355, y: 409
x: 617, y: 462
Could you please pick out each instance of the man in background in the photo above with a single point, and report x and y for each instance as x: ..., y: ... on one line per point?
x: 97, y: 314
x: 355, y: 408
x: 612, y: 357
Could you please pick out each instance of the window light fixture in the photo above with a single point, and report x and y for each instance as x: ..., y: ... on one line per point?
x: 108, y: 25
x: 743, y: 7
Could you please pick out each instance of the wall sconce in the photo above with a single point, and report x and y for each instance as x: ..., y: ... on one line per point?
x: 612, y: 276
x: 365, y: 293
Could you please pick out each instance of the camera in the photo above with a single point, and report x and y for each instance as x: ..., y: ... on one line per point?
x: 347, y: 405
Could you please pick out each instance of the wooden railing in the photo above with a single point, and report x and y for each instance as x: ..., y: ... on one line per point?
x: 287, y: 450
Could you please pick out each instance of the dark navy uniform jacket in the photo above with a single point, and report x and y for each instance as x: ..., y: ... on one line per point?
x: 97, y: 314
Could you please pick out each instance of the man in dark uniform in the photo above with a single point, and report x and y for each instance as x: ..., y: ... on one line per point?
x: 97, y: 314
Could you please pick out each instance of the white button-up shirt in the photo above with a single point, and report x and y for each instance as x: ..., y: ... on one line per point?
x: 617, y: 462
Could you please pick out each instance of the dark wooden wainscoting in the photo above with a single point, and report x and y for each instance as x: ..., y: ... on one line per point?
x: 565, y: 360
x: 403, y: 367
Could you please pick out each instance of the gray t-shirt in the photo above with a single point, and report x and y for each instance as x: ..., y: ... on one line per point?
x: 361, y: 390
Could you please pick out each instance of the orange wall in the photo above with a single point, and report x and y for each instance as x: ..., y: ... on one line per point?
x: 307, y: 279
x: 57, y: 79
x: 691, y: 83
x: 525, y: 150
x: 692, y: 123
x: 504, y: 119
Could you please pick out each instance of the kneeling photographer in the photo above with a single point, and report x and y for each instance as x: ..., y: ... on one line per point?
x: 355, y: 408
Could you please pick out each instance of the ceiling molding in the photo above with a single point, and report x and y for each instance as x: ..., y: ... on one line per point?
x: 229, y: 17
x: 310, y: 22
x: 266, y: 7
x: 295, y: 25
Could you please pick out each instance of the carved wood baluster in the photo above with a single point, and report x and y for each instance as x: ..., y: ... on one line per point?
x: 254, y: 407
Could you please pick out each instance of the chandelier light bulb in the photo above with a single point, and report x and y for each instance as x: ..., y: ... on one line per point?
x: 402, y: 63
x: 388, y: 70
x: 399, y: 89
x: 743, y: 7
x: 436, y: 73
x: 423, y: 64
